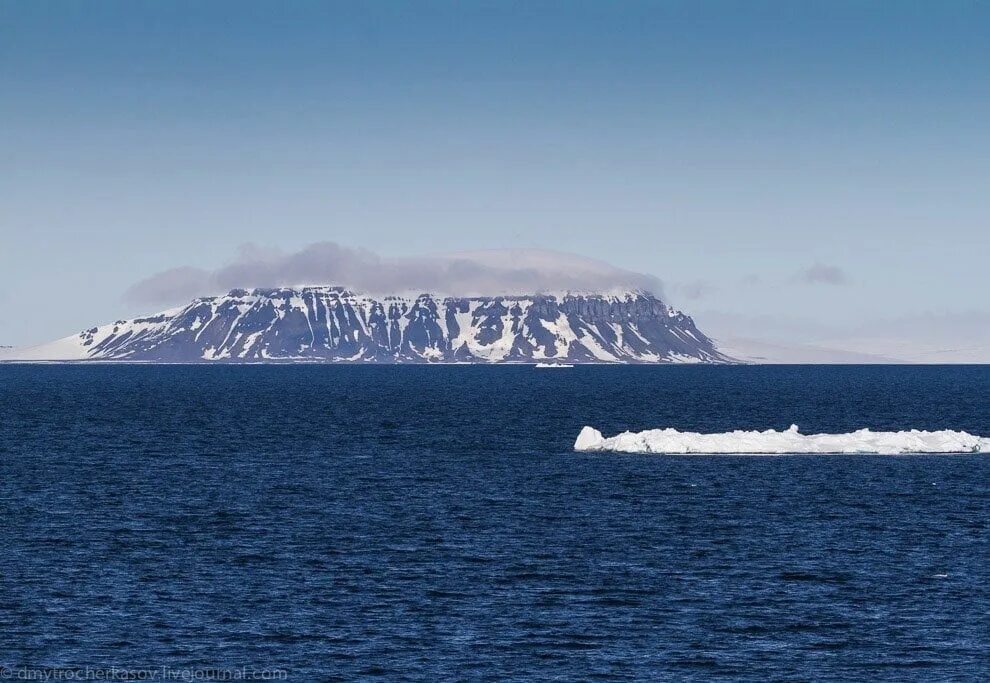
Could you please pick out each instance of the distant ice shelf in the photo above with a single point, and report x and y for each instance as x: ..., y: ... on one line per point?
x: 790, y: 441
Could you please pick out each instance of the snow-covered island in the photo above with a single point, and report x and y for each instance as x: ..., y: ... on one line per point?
x: 331, y: 324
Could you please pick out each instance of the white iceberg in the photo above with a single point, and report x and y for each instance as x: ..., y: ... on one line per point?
x: 790, y: 441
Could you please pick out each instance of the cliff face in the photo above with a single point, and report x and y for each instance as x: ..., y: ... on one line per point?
x: 331, y: 324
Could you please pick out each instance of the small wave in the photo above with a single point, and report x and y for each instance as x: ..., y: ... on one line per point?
x: 790, y: 441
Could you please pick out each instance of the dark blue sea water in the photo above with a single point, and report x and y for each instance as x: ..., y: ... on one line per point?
x: 432, y: 523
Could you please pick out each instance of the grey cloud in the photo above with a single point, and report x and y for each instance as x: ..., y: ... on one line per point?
x: 819, y: 273
x: 519, y: 271
x: 695, y: 290
x: 170, y: 286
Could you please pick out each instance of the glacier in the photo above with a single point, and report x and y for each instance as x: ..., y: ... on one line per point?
x: 333, y: 324
x: 790, y: 441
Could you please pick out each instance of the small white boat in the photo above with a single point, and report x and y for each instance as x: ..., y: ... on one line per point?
x: 554, y: 365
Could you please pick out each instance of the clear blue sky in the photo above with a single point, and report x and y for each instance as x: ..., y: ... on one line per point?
x: 733, y: 149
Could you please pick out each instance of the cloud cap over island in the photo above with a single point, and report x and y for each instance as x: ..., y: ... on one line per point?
x: 489, y: 272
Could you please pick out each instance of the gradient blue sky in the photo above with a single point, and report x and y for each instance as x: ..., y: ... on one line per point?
x: 740, y: 151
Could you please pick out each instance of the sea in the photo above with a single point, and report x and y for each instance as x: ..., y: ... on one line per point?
x: 433, y: 523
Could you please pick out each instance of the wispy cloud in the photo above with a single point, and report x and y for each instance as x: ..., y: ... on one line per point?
x: 694, y: 290
x: 517, y: 271
x: 821, y: 274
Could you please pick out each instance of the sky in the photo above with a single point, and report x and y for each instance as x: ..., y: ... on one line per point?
x: 799, y: 173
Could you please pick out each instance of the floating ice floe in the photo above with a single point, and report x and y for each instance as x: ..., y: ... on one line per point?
x: 789, y: 441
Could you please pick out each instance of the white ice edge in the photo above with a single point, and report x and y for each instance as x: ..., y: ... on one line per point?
x: 791, y: 441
